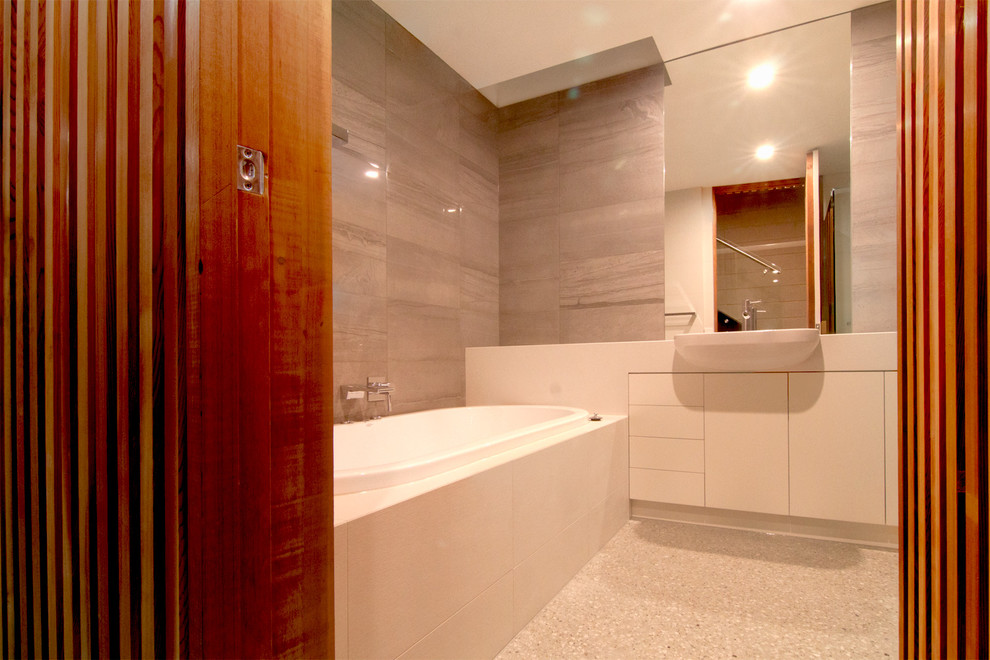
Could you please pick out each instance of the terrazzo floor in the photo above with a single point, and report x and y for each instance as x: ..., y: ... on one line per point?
x: 672, y: 590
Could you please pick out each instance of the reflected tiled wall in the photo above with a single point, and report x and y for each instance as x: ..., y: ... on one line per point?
x: 769, y: 225
x: 415, y: 250
x: 873, y: 163
x: 581, y: 213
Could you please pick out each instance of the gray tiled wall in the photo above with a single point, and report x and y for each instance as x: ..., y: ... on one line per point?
x: 769, y: 225
x: 873, y: 164
x: 581, y: 213
x: 537, y: 223
x: 415, y: 253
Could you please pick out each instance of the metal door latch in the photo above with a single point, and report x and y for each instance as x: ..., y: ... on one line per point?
x: 250, y: 170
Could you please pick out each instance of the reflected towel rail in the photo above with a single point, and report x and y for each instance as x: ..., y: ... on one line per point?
x: 766, y: 264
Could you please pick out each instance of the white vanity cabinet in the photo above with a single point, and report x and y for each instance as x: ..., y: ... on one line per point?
x: 818, y: 444
x: 666, y: 438
x: 746, y: 442
x: 836, y: 429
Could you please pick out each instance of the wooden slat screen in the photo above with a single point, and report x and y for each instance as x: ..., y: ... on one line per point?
x: 91, y: 104
x: 167, y: 340
x: 943, y: 328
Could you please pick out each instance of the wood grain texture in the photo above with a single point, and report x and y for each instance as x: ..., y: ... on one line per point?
x: 943, y: 338
x: 261, y: 461
x: 74, y: 102
x: 166, y: 353
x: 302, y: 351
x: 811, y: 219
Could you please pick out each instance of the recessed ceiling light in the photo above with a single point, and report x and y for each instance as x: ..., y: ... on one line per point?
x: 761, y: 76
x: 371, y: 174
x: 764, y: 152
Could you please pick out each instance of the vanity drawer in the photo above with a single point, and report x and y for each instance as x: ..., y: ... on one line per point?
x: 681, y: 454
x: 667, y: 421
x: 667, y: 486
x: 667, y: 389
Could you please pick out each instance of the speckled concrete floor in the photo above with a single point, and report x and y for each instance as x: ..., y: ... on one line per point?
x: 671, y: 590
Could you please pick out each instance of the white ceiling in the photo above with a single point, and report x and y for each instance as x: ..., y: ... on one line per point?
x: 712, y: 120
x: 715, y: 121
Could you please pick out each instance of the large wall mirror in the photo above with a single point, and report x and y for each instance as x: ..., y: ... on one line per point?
x: 748, y: 124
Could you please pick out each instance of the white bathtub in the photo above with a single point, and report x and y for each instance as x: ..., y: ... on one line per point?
x: 515, y: 499
x: 406, y: 448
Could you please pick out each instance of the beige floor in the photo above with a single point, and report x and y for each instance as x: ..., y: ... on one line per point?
x: 671, y: 590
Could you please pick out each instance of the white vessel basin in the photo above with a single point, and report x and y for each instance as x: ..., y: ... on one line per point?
x: 753, y: 350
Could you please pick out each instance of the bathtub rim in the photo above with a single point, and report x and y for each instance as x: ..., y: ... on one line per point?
x: 352, y: 506
x: 400, y: 472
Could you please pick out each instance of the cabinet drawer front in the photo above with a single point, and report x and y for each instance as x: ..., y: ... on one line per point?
x: 667, y: 421
x: 667, y: 486
x: 667, y: 389
x: 678, y: 454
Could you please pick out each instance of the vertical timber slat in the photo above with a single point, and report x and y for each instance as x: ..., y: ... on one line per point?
x: 166, y: 343
x: 943, y: 345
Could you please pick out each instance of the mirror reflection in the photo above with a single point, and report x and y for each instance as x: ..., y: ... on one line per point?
x: 810, y: 104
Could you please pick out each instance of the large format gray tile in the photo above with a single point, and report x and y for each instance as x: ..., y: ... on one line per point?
x: 479, y: 308
x: 528, y: 249
x: 423, y: 332
x: 359, y: 47
x: 423, y: 237
x: 423, y: 216
x: 618, y: 322
x: 419, y: 274
x: 529, y: 312
x: 529, y: 187
x: 359, y: 326
x: 622, y: 228
x: 356, y: 266
x: 626, y: 278
x: 358, y: 199
x: 359, y: 75
x: 364, y: 121
x: 478, y: 138
x: 426, y: 384
x: 415, y: 156
x: 478, y: 189
x: 611, y: 142
x: 873, y: 166
x: 479, y: 221
x: 529, y: 126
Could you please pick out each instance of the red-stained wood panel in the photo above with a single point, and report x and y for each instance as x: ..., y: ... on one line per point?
x: 142, y: 467
x: 7, y: 608
x: 34, y: 178
x: 301, y: 349
x: 18, y: 108
x: 99, y: 305
x: 213, y: 463
x: 943, y: 337
x: 192, y: 633
x: 255, y: 307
